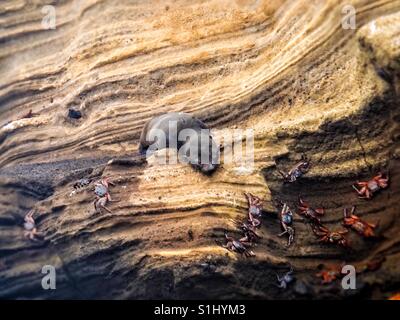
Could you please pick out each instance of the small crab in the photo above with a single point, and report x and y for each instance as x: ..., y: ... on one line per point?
x: 350, y: 220
x: 327, y: 236
x: 238, y: 246
x: 297, y: 171
x: 286, y: 220
x: 309, y: 212
x: 102, y: 195
x: 250, y: 234
x: 30, y: 227
x: 368, y: 188
x: 255, y: 209
x: 101, y: 188
x: 330, y: 273
x: 285, y: 279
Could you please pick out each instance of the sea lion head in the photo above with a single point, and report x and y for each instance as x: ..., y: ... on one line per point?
x: 207, y: 168
x: 201, y: 152
x: 213, y: 160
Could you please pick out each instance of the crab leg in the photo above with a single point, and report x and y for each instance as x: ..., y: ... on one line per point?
x: 355, y: 188
x: 372, y: 225
x: 362, y: 191
x: 346, y: 213
x: 283, y: 233
x: 29, y: 217
x: 367, y: 193
x: 283, y: 175
x: 105, y: 208
x: 303, y: 203
x: 255, y: 222
x: 228, y: 238
x: 378, y: 176
x: 249, y: 253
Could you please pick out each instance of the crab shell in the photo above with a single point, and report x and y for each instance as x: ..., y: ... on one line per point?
x: 373, y: 186
x: 288, y: 278
x: 255, y: 211
x: 359, y: 226
x: 335, y: 237
x: 100, y: 190
x: 287, y: 218
x: 296, y: 174
x: 238, y: 246
x: 311, y: 213
x: 29, y: 226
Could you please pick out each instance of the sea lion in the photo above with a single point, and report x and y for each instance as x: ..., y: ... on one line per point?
x: 183, y: 132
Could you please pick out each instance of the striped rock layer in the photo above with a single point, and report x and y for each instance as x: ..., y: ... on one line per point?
x: 288, y: 70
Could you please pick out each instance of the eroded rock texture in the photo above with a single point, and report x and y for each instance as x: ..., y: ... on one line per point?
x: 286, y: 69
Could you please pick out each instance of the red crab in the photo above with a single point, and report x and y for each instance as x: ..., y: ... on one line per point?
x: 238, y: 246
x: 102, y: 195
x: 310, y: 213
x: 255, y: 209
x: 31, y: 231
x: 327, y: 236
x: 297, y: 170
x: 350, y: 220
x: 330, y: 273
x: 368, y: 188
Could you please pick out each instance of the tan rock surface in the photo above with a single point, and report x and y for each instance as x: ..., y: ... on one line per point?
x: 286, y: 69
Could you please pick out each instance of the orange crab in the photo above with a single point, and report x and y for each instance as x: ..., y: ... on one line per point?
x: 330, y: 273
x: 311, y: 213
x: 327, y: 236
x: 368, y: 188
x: 350, y: 220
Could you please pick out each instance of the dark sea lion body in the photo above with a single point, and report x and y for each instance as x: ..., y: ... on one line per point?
x: 181, y: 121
x: 162, y: 122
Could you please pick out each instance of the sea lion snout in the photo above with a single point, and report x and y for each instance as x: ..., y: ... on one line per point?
x: 208, y: 168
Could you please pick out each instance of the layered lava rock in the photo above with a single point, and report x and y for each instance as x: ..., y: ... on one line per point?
x: 288, y: 70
